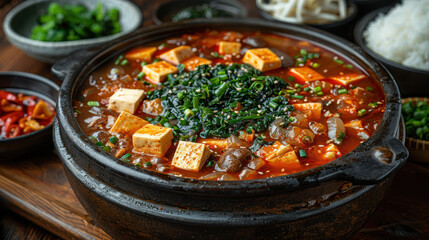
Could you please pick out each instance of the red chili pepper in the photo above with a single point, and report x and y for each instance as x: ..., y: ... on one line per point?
x: 11, y: 118
x: 12, y: 130
x: 8, y: 96
x: 30, y: 110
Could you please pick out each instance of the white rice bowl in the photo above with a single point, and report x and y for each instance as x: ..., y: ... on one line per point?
x: 402, y: 35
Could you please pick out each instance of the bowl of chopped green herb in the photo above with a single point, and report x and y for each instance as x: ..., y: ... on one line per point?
x: 416, y: 116
x: 50, y: 30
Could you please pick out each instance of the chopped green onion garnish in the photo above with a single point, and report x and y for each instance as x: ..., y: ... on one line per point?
x: 302, y: 153
x: 370, y: 89
x: 290, y: 78
x: 361, y: 112
x: 210, y: 164
x: 317, y: 89
x: 297, y: 96
x: 77, y: 111
x: 100, y: 144
x: 315, y: 65
x: 107, y: 148
x: 195, y: 102
x: 216, y: 55
x: 141, y: 75
x: 342, y: 91
x: 319, y: 93
x: 156, y: 60
x: 338, y: 61
x: 93, y: 103
x: 137, y: 165
x: 303, y: 52
x: 148, y: 164
x: 349, y: 66
x: 373, y: 105
x: 126, y: 156
x: 142, y: 64
x: 306, y: 89
x: 291, y: 119
x: 124, y: 62
x: 189, y: 113
x: 273, y: 104
x: 118, y: 60
x: 113, y: 139
x: 222, y: 89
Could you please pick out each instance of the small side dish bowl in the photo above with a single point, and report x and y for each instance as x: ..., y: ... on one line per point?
x: 164, y: 12
x: 28, y: 84
x: 411, y: 81
x: 19, y: 22
x: 340, y: 27
x: 418, y: 149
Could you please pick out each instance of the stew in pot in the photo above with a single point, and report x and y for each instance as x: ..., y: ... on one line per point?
x: 224, y: 105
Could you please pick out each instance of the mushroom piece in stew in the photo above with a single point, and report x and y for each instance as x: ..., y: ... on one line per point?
x: 224, y: 105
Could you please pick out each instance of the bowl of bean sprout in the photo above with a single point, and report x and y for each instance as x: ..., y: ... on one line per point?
x: 331, y: 15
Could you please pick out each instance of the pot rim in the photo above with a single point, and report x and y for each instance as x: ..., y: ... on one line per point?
x: 353, y: 166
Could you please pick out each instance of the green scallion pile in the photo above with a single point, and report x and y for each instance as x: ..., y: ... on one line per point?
x: 220, y: 101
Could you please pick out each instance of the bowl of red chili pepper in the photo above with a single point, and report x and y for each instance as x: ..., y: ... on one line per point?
x: 27, y: 110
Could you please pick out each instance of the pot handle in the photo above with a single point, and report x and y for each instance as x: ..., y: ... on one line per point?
x: 76, y: 60
x: 377, y: 164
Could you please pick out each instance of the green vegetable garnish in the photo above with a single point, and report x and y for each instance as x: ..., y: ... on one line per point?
x: 342, y: 91
x: 202, y: 101
x: 113, y: 139
x: 302, y: 153
x: 93, y: 103
x: 361, y: 112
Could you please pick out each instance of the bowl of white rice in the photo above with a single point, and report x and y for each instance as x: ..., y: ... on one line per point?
x: 398, y: 37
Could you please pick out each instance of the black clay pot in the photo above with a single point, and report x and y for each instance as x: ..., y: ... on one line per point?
x: 328, y: 202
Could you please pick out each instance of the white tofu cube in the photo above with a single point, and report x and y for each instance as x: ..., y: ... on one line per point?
x: 157, y: 72
x: 190, y: 156
x: 194, y: 62
x: 126, y: 100
x: 143, y: 54
x: 229, y: 47
x: 262, y: 59
x: 177, y: 55
x: 128, y: 124
x: 153, y: 140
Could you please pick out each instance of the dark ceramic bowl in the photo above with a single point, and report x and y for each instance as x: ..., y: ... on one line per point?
x: 165, y: 11
x: 29, y: 84
x: 19, y: 22
x: 366, y: 6
x: 339, y: 28
x: 411, y: 81
x: 332, y: 201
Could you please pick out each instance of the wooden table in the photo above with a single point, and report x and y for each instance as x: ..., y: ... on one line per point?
x: 37, y: 189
